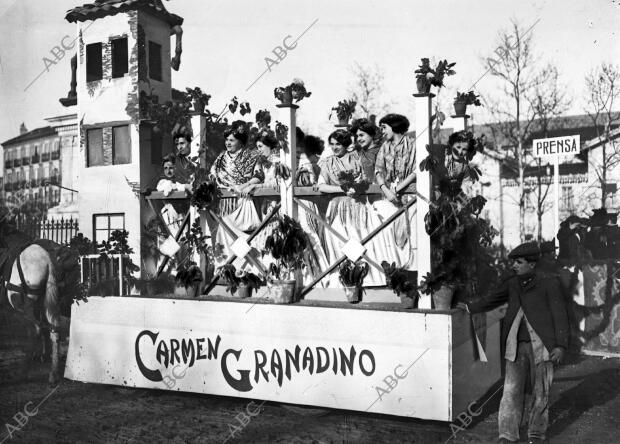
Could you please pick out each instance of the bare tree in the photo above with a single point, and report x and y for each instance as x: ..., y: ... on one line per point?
x: 366, y: 88
x: 603, y: 87
x: 514, y: 66
x: 548, y: 100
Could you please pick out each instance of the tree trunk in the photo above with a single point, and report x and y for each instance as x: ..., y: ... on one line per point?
x: 521, y: 192
x: 604, y: 184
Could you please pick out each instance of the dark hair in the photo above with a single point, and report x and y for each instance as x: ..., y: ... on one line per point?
x: 268, y: 139
x: 343, y: 137
x: 313, y: 146
x: 299, y: 134
x: 398, y: 122
x: 186, y: 136
x: 463, y: 136
x: 364, y: 125
x: 169, y: 158
x: 238, y: 130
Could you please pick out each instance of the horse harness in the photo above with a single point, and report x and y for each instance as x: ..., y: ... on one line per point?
x: 24, y: 289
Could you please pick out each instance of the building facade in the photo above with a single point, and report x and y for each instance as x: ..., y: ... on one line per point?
x: 579, y: 177
x: 38, y: 167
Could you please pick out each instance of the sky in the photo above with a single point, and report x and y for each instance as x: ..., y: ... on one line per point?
x: 225, y: 43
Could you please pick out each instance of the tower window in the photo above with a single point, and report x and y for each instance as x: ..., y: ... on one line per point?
x: 121, y: 146
x: 94, y: 67
x: 120, y: 64
x: 94, y: 147
x: 155, y: 61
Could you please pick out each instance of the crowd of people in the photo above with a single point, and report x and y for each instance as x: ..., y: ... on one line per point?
x: 587, y: 239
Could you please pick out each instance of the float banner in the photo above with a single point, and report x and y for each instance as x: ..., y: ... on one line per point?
x: 393, y: 362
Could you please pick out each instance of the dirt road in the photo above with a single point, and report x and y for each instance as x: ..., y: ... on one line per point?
x: 585, y: 402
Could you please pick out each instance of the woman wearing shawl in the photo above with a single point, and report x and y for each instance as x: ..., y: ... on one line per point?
x: 234, y: 169
x: 396, y: 162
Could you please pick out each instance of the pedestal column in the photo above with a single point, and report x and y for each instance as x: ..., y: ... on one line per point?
x: 423, y: 133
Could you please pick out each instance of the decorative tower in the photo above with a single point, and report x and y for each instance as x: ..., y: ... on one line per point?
x: 123, y: 53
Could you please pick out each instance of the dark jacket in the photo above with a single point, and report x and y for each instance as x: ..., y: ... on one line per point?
x: 542, y: 303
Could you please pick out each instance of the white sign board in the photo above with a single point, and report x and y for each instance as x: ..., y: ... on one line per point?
x: 556, y: 146
x: 338, y: 358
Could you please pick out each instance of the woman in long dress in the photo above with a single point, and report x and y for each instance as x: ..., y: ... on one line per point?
x: 383, y: 244
x: 315, y: 258
x: 394, y: 165
x: 234, y: 169
x: 347, y: 215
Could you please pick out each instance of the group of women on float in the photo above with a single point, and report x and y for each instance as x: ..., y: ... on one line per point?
x: 383, y: 155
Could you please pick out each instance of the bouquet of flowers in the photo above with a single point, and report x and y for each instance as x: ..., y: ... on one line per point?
x: 351, y: 184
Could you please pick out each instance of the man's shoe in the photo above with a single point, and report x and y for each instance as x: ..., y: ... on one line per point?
x: 537, y: 441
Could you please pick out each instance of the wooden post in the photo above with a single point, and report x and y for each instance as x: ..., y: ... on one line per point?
x: 198, y: 122
x: 288, y: 157
x: 288, y: 116
x: 423, y: 137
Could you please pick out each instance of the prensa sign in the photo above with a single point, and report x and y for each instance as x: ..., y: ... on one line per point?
x: 556, y: 146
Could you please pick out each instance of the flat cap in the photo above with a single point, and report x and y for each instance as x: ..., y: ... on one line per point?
x: 573, y: 219
x: 548, y: 247
x: 528, y: 250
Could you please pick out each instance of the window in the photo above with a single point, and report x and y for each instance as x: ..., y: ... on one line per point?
x: 120, y: 64
x: 567, y: 199
x: 94, y: 66
x: 155, y: 61
x: 105, y: 224
x: 121, y: 145
x: 94, y: 147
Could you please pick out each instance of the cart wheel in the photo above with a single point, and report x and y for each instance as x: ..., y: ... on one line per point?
x: 302, y: 410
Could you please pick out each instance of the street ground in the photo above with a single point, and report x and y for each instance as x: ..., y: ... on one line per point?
x: 585, y: 402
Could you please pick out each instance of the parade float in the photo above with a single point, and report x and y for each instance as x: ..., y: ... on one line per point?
x: 377, y: 355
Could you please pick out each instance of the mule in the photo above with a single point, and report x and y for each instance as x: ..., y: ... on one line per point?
x: 32, y: 290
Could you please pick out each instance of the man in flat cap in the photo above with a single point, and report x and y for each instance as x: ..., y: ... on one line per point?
x: 535, y: 336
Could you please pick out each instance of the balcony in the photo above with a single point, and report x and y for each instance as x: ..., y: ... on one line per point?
x: 17, y: 162
x: 36, y: 159
x: 25, y: 161
x: 45, y: 157
x: 56, y: 155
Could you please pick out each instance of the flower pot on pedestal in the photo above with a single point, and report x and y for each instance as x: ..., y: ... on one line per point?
x: 460, y: 108
x: 353, y: 294
x: 406, y: 301
x: 243, y: 291
x: 282, y: 291
x: 423, y: 85
x: 442, y: 298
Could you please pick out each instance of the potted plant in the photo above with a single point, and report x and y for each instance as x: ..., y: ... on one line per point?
x: 263, y: 119
x: 199, y: 99
x: 239, y: 283
x: 248, y: 281
x: 426, y: 76
x: 463, y: 99
x: 228, y: 274
x: 296, y: 90
x: 402, y: 282
x: 459, y: 237
x: 344, y: 111
x: 286, y: 245
x: 352, y: 276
